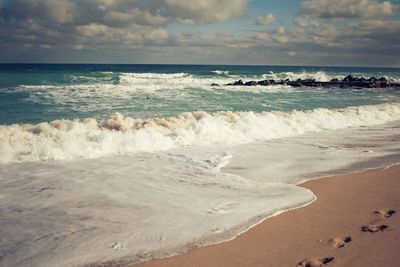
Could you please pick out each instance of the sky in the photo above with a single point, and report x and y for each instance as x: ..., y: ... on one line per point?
x: 255, y: 32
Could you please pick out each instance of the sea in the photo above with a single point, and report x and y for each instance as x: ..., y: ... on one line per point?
x: 115, y: 164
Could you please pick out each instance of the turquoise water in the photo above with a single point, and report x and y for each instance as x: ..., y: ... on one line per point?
x: 40, y: 93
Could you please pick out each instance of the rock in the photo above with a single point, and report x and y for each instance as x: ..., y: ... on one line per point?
x: 264, y: 82
x: 309, y: 82
x: 251, y: 83
x: 240, y: 82
x: 283, y: 81
x: 294, y: 83
x: 348, y: 79
x: 383, y: 80
x: 348, y: 82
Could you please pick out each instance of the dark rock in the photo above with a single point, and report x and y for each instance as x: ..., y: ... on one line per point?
x: 348, y: 79
x: 251, y: 83
x: 264, y: 82
x: 283, y: 81
x: 240, y: 82
x: 383, y: 80
x: 294, y: 83
x: 348, y: 82
x: 309, y: 82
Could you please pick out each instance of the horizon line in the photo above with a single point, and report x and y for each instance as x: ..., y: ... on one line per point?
x: 195, y: 64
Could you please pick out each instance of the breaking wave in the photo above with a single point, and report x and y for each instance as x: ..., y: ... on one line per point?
x: 319, y: 76
x: 126, y: 76
x: 90, y: 138
x: 176, y: 80
x: 220, y: 72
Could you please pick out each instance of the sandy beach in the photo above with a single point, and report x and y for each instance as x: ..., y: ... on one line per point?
x: 354, y: 222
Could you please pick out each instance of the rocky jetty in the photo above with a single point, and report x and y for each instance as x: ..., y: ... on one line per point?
x: 348, y: 82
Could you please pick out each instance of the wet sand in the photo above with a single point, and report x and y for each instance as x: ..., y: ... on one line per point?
x: 354, y: 222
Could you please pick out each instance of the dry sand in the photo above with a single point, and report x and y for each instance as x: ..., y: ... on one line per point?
x: 354, y: 222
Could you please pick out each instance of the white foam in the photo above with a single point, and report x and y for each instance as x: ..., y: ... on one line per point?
x: 132, y: 77
x: 88, y: 96
x: 318, y: 76
x: 89, y: 138
x: 220, y: 72
x: 173, y: 80
x: 126, y: 209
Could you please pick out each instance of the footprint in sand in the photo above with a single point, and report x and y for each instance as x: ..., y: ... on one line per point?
x: 314, y: 262
x: 340, y: 242
x: 116, y: 246
x: 385, y: 213
x: 373, y: 228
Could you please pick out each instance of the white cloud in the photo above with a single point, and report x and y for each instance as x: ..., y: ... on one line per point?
x: 281, y: 30
x: 133, y: 16
x: 264, y: 36
x: 92, y: 29
x: 266, y: 20
x: 201, y: 11
x: 60, y: 11
x: 328, y: 9
x: 302, y: 21
x: 100, y: 33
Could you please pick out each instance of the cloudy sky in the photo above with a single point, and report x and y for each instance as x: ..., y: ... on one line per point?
x: 268, y: 32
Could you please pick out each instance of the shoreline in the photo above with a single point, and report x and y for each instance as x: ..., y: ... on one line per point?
x: 323, y: 233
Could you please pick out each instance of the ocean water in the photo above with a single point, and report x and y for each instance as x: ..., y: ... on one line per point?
x: 125, y: 163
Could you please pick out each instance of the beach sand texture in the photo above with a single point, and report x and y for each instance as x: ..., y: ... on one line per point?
x: 354, y: 222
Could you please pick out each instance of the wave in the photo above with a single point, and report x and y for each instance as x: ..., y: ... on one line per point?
x: 220, y: 72
x: 123, y: 85
x: 169, y: 79
x: 90, y: 138
x: 127, y: 77
x: 319, y: 76
x: 104, y: 78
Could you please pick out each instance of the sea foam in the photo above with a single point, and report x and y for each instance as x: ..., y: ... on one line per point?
x: 91, y: 138
x: 318, y: 76
x: 159, y: 200
x: 220, y: 72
